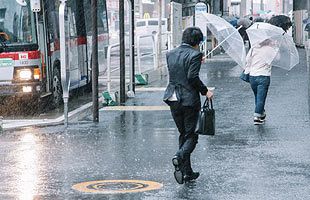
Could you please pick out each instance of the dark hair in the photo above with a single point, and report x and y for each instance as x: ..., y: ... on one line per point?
x: 192, y: 36
x: 281, y: 21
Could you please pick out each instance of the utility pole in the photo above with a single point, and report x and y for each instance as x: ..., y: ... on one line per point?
x: 140, y: 9
x: 133, y: 44
x: 159, y: 54
x: 64, y: 57
x: 95, y: 71
x: 131, y: 14
x: 262, y: 5
x: 122, y: 51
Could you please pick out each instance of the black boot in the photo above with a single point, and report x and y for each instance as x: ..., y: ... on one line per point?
x: 178, y: 174
x: 190, y: 177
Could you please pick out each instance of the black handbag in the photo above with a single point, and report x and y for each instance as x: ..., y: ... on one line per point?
x: 245, y: 77
x: 206, y: 120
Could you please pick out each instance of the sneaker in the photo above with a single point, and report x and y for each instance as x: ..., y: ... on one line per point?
x: 263, y: 117
x: 191, y: 177
x: 178, y: 174
x: 259, y: 120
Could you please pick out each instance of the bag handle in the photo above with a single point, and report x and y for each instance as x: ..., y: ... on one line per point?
x: 206, y: 103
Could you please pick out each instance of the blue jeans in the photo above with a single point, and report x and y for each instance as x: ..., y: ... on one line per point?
x: 260, y: 85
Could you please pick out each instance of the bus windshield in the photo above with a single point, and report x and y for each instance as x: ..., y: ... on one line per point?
x: 17, y: 24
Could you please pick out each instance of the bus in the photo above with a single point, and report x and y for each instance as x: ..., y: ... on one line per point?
x: 30, y: 48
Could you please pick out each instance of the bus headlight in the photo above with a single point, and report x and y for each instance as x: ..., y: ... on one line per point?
x: 24, y: 74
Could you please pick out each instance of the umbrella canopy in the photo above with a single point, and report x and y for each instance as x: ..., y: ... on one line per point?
x: 281, y: 21
x: 261, y: 33
x: 261, y: 12
x: 232, y: 20
x: 227, y: 36
x: 259, y: 19
x: 245, y: 22
x: 307, y: 23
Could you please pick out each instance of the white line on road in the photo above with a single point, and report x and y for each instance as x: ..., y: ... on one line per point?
x: 150, y: 89
x: 135, y: 108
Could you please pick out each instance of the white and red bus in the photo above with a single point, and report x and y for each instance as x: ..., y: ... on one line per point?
x: 30, y: 48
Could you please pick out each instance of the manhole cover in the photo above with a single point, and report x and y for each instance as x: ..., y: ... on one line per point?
x: 116, y: 186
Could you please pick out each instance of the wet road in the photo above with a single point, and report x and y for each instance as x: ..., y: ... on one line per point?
x: 241, y: 161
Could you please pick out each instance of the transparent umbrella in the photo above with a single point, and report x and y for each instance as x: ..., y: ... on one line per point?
x: 287, y: 56
x: 227, y: 36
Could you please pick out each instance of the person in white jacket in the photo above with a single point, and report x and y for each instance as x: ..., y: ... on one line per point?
x: 258, y: 65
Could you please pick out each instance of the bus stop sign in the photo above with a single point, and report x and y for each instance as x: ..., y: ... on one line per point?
x: 35, y: 5
x: 200, y: 21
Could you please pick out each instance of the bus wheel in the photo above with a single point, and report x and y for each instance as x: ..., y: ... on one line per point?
x: 57, y: 89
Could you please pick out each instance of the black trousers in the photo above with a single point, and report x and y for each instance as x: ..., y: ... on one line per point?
x: 185, y: 118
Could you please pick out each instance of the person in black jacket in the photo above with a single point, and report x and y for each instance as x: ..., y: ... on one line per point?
x: 182, y: 95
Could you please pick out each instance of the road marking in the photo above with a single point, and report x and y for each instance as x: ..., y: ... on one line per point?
x: 150, y: 89
x: 165, y: 129
x: 116, y: 186
x: 135, y: 108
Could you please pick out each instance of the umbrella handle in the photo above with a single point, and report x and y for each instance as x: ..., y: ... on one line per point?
x: 224, y: 41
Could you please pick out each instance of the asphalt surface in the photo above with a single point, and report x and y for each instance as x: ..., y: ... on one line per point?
x: 242, y: 161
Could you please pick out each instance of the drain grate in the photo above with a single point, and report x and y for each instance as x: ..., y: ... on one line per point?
x: 117, y: 186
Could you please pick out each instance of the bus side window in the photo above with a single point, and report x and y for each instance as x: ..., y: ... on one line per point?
x: 102, y: 18
x: 87, y: 8
x: 26, y: 32
x: 15, y: 27
x: 80, y: 19
x: 72, y: 23
x: 71, y: 5
x: 52, y: 20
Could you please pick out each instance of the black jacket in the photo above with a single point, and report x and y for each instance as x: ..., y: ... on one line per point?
x: 184, y: 64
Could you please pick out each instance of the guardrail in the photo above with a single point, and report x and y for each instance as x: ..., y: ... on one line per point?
x: 139, y: 55
x: 155, y: 48
x: 109, y: 65
x: 307, y: 47
x: 139, y: 37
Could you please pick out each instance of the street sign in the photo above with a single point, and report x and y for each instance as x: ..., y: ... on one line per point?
x: 35, y: 5
x: 200, y: 21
